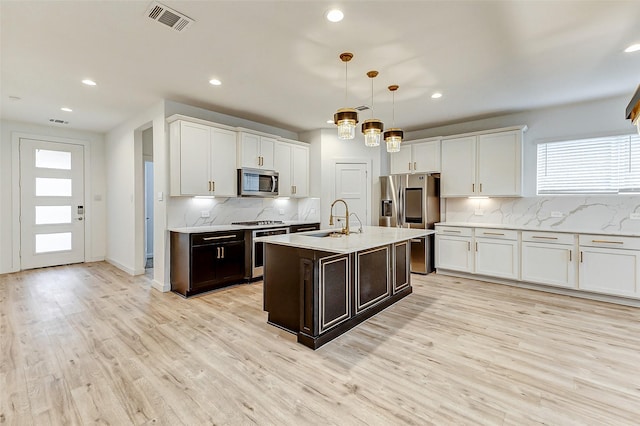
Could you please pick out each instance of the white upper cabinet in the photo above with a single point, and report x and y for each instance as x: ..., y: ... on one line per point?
x: 292, y: 164
x: 256, y: 151
x: 200, y: 160
x: 488, y: 164
x: 421, y: 156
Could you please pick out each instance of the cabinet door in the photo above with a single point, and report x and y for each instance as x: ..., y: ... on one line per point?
x: 283, y: 160
x: 401, y: 161
x: 497, y: 258
x: 249, y: 150
x: 458, y: 174
x: 267, y: 153
x: 194, y: 159
x: 300, y: 169
x: 230, y: 263
x: 426, y: 157
x: 203, y: 266
x: 223, y: 171
x: 552, y: 264
x: 610, y: 271
x: 499, y: 164
x: 454, y: 253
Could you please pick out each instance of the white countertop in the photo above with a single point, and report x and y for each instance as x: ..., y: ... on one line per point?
x: 538, y: 228
x: 372, y: 236
x: 216, y: 228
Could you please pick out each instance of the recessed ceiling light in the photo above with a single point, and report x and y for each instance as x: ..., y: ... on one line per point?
x: 89, y: 82
x: 215, y: 82
x: 66, y: 109
x: 436, y: 95
x: 632, y: 48
x: 335, y: 15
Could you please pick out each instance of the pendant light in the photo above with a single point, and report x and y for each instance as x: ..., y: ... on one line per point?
x: 346, y: 118
x: 393, y: 137
x: 633, y: 109
x: 372, y: 128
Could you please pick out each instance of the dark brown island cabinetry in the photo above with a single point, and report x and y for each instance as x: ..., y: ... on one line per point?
x: 319, y: 295
x: 206, y: 261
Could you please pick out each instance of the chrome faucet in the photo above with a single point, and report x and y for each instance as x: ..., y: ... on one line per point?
x: 359, y: 221
x: 344, y: 230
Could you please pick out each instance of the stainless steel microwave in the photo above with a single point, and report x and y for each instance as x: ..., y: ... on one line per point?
x: 257, y: 183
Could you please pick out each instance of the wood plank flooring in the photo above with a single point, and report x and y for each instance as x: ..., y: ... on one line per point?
x: 88, y: 344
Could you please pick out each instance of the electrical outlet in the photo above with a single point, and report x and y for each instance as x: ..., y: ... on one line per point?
x: 634, y: 216
x: 205, y: 213
x: 281, y: 211
x: 556, y: 214
x: 479, y: 212
x: 312, y: 211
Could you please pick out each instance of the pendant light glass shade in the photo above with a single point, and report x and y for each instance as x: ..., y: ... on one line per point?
x: 346, y: 118
x: 372, y: 128
x: 393, y: 137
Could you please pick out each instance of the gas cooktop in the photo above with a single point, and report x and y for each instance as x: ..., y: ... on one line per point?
x: 259, y: 222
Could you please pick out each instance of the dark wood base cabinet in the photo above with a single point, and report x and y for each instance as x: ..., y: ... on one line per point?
x: 319, y: 295
x: 205, y: 261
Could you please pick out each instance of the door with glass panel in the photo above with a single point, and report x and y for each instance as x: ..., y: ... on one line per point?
x: 52, y: 203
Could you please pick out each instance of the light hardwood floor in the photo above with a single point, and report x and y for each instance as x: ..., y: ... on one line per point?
x: 88, y: 344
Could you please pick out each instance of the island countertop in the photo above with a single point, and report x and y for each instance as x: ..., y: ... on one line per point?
x: 372, y: 236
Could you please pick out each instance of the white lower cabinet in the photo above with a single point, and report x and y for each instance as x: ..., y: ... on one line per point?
x: 596, y: 263
x: 454, y: 248
x: 610, y: 265
x: 549, y: 258
x: 497, y: 253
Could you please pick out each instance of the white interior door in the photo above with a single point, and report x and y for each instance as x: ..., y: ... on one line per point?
x: 352, y: 186
x: 51, y: 203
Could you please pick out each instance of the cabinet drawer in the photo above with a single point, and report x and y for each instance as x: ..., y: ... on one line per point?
x: 454, y: 231
x: 502, y: 234
x: 548, y: 237
x: 629, y: 243
x: 216, y: 237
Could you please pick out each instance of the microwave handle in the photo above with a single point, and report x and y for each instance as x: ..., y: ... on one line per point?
x: 274, y: 185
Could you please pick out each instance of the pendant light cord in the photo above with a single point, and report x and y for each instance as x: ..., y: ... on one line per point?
x: 371, y: 97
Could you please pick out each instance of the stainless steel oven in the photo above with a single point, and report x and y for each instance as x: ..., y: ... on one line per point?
x: 257, y: 249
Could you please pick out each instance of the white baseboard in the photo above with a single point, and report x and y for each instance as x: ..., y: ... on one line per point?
x: 157, y: 285
x: 122, y: 267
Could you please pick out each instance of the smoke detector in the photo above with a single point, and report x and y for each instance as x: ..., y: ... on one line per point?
x: 169, y: 17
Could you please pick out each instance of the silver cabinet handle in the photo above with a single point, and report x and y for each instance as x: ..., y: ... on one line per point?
x: 473, y: 187
x: 493, y: 233
x: 451, y: 231
x: 468, y: 245
x: 409, y: 165
x: 570, y: 255
x: 221, y: 237
x: 476, y: 246
x: 544, y: 238
x: 480, y: 187
x: 414, y: 166
x: 213, y: 186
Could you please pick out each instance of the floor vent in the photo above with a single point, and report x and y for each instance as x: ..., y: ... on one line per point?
x: 169, y: 17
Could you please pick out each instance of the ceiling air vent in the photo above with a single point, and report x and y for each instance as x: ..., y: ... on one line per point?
x: 58, y: 121
x: 169, y: 17
x: 362, y: 108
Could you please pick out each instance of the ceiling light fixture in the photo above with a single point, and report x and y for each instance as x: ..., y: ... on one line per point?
x: 436, y: 95
x: 346, y: 118
x: 632, y: 48
x: 89, y: 82
x: 393, y: 137
x: 633, y: 109
x: 66, y: 109
x: 334, y: 15
x: 215, y: 82
x: 372, y: 128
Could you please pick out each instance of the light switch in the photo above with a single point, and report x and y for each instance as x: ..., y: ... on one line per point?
x: 160, y: 196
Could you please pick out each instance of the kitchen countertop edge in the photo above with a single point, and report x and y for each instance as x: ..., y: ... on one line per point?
x: 538, y: 229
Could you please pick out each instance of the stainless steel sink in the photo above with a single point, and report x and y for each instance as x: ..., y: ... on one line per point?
x: 326, y: 234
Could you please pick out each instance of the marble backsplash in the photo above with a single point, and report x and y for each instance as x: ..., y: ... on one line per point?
x: 585, y: 213
x: 188, y: 212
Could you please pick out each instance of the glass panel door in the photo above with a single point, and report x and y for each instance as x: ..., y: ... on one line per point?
x: 52, y: 203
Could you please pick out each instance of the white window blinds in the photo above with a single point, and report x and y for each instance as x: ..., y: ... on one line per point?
x: 607, y: 165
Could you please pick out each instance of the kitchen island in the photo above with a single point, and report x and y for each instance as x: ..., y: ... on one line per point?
x: 319, y: 284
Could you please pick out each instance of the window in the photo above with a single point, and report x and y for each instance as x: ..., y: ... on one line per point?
x: 607, y: 165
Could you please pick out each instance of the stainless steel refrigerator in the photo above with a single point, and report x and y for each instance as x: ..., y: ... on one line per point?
x: 412, y: 201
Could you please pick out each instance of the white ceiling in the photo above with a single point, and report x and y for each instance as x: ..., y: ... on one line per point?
x: 278, y: 60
